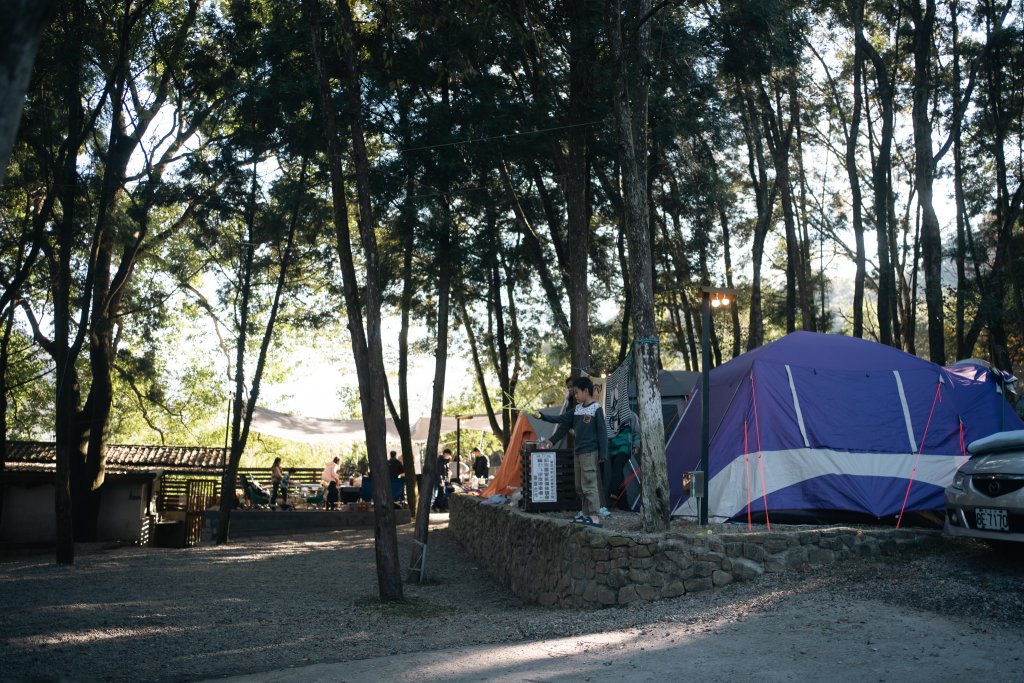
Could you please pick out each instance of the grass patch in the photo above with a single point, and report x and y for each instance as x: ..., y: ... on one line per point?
x: 409, y: 607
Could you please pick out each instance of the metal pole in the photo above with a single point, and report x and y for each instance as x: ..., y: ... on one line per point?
x: 1002, y: 408
x: 458, y: 448
x: 227, y: 433
x: 705, y: 399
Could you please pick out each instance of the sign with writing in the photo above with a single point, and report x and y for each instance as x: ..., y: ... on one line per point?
x: 543, y: 481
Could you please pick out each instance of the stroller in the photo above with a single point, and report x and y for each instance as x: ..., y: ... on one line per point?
x: 255, y: 495
x: 317, y: 500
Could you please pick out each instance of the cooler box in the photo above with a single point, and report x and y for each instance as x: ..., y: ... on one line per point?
x: 548, y: 480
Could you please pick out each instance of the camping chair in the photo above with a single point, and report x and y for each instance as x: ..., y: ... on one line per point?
x: 254, y: 493
x: 317, y: 500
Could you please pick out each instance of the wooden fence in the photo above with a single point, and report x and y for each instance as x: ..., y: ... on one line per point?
x: 199, y: 495
x: 173, y: 494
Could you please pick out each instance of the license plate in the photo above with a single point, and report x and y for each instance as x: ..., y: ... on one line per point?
x: 992, y: 520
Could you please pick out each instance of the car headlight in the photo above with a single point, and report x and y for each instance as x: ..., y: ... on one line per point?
x: 958, y: 481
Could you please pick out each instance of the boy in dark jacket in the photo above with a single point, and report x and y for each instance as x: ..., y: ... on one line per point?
x: 591, y: 442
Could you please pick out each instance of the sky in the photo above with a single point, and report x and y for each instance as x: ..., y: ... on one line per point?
x: 313, y: 387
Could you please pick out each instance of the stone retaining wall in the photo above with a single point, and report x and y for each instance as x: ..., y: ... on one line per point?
x: 548, y: 561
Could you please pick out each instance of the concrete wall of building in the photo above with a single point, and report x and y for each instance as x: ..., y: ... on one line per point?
x: 29, y: 517
x: 28, y: 514
x: 122, y: 511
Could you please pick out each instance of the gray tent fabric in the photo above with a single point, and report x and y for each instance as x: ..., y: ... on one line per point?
x: 673, y: 384
x: 320, y: 430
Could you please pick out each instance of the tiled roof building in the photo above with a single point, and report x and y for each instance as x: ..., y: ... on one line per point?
x: 41, y: 456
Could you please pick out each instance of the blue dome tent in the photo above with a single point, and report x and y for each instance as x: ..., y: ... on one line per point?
x: 820, y: 427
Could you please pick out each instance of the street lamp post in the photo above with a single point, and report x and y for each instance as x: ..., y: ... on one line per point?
x: 711, y: 297
x: 458, y: 445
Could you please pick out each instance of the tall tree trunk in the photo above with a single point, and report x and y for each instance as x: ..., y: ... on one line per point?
x: 577, y: 181
x: 924, y: 172
x: 779, y: 135
x: 417, y: 562
x: 1007, y: 201
x: 856, y: 10
x: 882, y: 187
x: 764, y: 196
x: 898, y: 321
x: 478, y: 369
x: 22, y: 23
x: 368, y: 351
x: 401, y: 416
x: 993, y: 286
x: 5, y: 355
x: 86, y: 490
x: 571, y: 164
x: 108, y: 288
x: 675, y: 316
x: 230, y: 476
x: 632, y: 66
x: 242, y: 409
x: 806, y: 275
x: 536, y: 251
x: 500, y: 345
x: 684, y: 336
x: 509, y: 412
x: 611, y: 193
x: 734, y: 310
x: 65, y: 352
x: 910, y: 289
x: 963, y: 285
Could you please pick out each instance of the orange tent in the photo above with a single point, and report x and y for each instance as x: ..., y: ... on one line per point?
x: 510, y: 474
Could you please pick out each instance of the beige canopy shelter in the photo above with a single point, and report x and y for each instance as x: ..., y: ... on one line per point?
x: 321, y: 430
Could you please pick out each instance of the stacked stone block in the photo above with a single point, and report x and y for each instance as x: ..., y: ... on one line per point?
x: 547, y: 561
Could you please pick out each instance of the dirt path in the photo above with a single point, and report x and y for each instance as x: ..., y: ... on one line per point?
x: 272, y: 607
x: 801, y: 639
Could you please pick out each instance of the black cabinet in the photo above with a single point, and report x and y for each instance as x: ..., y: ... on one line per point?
x: 548, y: 480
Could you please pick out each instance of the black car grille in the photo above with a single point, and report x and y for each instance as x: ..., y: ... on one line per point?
x: 995, y: 485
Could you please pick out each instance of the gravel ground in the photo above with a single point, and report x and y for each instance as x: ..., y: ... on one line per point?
x: 265, y: 604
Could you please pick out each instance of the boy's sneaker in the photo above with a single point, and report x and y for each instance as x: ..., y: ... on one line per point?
x: 603, y: 512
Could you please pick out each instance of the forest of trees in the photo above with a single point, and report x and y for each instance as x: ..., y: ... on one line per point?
x: 264, y: 170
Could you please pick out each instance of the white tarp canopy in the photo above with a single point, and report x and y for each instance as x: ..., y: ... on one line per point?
x: 320, y: 430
